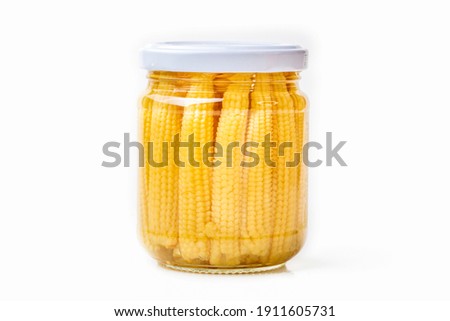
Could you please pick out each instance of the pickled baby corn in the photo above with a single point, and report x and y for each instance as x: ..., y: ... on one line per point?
x: 239, y: 213
x: 163, y: 174
x: 196, y: 179
x: 300, y: 115
x: 286, y: 180
x: 259, y: 210
x: 227, y: 179
x: 145, y: 116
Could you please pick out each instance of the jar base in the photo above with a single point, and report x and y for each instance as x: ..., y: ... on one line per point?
x: 220, y: 270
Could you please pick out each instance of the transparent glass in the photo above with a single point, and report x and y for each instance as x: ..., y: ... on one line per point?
x: 223, y: 186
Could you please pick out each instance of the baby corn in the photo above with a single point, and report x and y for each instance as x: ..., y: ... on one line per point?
x: 259, y: 210
x: 163, y: 174
x: 239, y: 213
x: 195, y: 180
x: 227, y: 178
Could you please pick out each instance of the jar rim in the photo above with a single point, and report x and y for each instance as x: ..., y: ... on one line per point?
x: 222, y: 78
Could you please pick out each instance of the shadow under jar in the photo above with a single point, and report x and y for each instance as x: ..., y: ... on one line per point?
x: 223, y: 185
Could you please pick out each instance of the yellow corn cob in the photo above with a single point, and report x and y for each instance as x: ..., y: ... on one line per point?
x: 227, y: 181
x: 195, y: 182
x: 145, y: 115
x: 163, y: 180
x: 300, y: 106
x: 284, y: 193
x: 258, y: 213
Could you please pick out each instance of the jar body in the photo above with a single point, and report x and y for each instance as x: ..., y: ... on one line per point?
x: 223, y: 185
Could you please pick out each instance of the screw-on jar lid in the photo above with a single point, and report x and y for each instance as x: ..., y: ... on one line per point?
x: 223, y: 57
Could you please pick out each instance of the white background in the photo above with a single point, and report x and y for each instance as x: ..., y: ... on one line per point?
x: 378, y: 78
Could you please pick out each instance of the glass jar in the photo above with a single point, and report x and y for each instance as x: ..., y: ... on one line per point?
x: 223, y: 186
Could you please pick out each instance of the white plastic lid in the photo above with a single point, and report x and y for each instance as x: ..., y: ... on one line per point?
x: 223, y: 57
